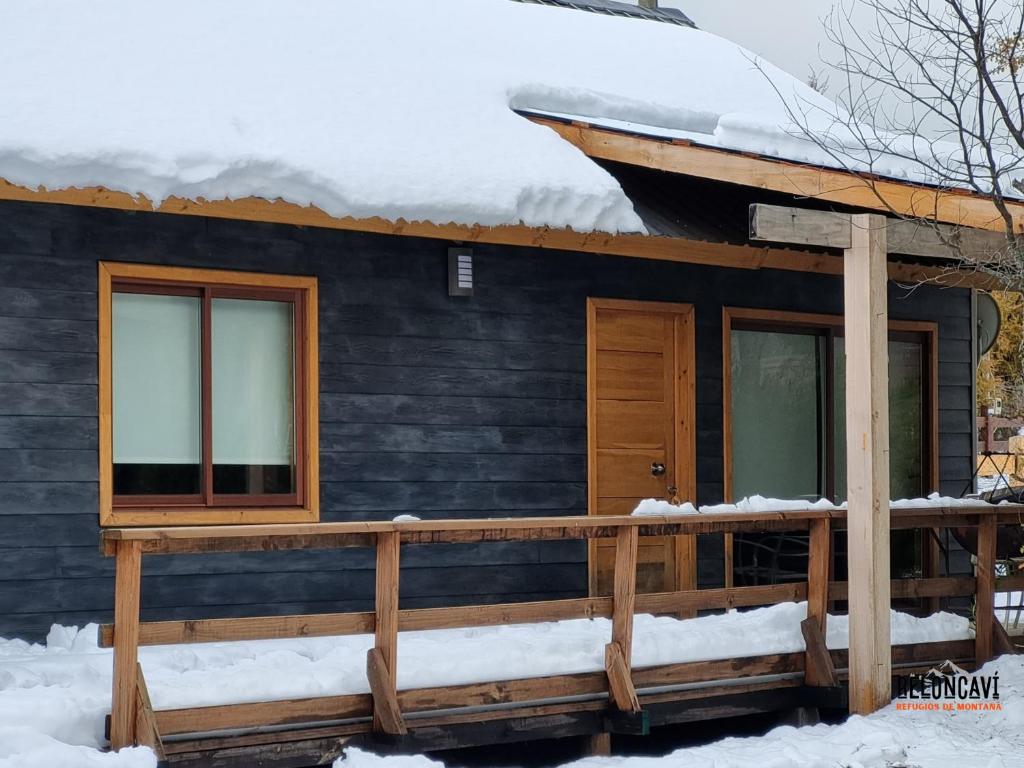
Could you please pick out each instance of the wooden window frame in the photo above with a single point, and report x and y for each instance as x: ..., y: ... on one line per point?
x: 760, y: 319
x: 303, y: 506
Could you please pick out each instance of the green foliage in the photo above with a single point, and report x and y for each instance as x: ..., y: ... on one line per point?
x: 1001, y: 372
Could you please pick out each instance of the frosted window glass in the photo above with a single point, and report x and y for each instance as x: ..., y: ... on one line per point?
x: 777, y: 414
x: 253, y: 383
x: 156, y: 379
x: 906, y: 419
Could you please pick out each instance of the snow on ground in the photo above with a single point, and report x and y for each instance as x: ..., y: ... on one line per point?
x: 58, y: 694
x: 760, y: 504
x: 401, y: 109
x: 890, y: 738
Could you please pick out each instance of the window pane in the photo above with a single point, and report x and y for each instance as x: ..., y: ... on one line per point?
x: 906, y: 419
x: 253, y: 397
x: 156, y: 391
x: 777, y: 414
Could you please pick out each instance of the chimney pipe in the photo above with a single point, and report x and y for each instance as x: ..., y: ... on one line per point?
x: 652, y: 4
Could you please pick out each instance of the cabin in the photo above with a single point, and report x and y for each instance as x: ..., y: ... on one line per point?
x: 199, y: 347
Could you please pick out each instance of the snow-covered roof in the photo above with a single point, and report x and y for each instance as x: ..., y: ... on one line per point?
x: 400, y: 110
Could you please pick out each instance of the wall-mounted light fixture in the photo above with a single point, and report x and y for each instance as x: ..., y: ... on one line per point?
x: 460, y: 271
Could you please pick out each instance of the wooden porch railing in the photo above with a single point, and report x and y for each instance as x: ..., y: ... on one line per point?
x: 386, y: 709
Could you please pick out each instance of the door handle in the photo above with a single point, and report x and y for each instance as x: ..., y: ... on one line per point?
x: 657, y: 469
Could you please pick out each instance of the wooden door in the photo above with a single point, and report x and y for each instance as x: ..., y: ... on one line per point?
x: 640, y: 401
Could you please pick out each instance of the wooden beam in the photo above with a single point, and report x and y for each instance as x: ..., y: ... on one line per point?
x: 386, y: 634
x: 984, y: 602
x: 827, y: 229
x: 264, y: 713
x: 961, y: 208
x: 262, y: 538
x: 127, y: 584
x: 357, y: 623
x: 867, y: 452
x: 914, y: 589
x: 620, y: 685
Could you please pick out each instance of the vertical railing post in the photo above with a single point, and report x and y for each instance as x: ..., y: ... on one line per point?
x: 127, y: 584
x: 818, y: 561
x: 931, y: 565
x: 618, y: 655
x: 386, y: 632
x: 984, y: 601
x: 818, y: 667
x: 624, y: 590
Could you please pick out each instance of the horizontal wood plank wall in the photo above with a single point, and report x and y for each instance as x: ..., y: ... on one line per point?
x: 430, y: 405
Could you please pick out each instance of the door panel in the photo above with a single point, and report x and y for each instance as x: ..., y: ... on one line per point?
x: 622, y: 472
x: 624, y: 424
x: 631, y: 376
x: 629, y: 332
x: 640, y: 411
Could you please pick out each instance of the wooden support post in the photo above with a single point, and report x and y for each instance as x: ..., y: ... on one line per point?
x: 931, y: 565
x: 819, y: 670
x: 386, y: 623
x: 598, y: 745
x: 146, y: 732
x: 620, y: 684
x: 386, y: 711
x: 818, y: 562
x: 127, y: 584
x: 729, y: 549
x: 1002, y: 643
x: 624, y: 591
x: 687, y: 560
x: 818, y: 566
x: 984, y: 601
x: 867, y: 456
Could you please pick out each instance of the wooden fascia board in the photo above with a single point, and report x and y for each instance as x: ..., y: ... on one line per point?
x: 630, y: 245
x: 950, y: 207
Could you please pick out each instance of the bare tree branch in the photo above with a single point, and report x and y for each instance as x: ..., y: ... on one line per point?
x: 931, y: 90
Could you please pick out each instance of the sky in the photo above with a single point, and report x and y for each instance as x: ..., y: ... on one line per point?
x: 787, y: 33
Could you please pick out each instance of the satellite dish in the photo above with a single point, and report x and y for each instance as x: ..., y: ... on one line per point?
x: 989, y: 322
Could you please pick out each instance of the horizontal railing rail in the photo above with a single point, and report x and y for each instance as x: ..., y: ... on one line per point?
x: 133, y: 720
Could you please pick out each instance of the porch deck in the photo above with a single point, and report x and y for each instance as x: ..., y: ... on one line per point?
x: 617, y: 699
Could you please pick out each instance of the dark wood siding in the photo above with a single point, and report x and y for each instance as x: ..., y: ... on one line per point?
x: 430, y: 405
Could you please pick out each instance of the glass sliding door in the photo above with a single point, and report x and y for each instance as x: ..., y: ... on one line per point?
x: 787, y: 429
x: 778, y: 414
x: 907, y: 438
x: 907, y: 445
